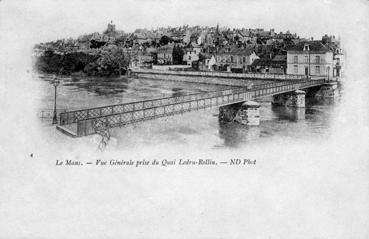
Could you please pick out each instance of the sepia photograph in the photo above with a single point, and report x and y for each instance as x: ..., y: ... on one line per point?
x: 184, y: 119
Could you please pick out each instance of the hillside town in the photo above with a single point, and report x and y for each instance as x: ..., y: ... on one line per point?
x: 196, y: 48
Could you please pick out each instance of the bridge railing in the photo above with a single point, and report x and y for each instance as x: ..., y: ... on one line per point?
x: 88, y: 126
x: 47, y: 114
x: 71, y: 117
x: 279, y: 88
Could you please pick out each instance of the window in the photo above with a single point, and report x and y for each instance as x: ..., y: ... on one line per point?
x: 306, y: 47
x: 317, y: 59
x: 306, y: 59
x: 317, y: 69
x: 231, y: 58
x: 296, y: 69
x: 244, y: 59
x: 295, y: 59
x: 189, y: 58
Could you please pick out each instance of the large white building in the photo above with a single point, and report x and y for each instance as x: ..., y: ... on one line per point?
x: 310, y: 59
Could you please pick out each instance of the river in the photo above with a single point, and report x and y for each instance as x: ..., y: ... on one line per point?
x: 277, y: 123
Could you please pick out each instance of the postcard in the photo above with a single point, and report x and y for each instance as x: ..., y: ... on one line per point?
x: 184, y: 119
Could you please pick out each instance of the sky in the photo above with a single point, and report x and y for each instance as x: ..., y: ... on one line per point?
x: 49, y: 20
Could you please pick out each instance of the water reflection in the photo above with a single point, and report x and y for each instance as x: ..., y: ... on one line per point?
x: 235, y: 134
x: 281, y: 121
x: 105, y: 86
x: 311, y: 101
x: 288, y: 113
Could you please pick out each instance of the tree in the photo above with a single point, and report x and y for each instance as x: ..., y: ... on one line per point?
x: 202, y: 57
x: 164, y: 40
x: 178, y: 53
x: 112, y: 61
x: 97, y: 44
x: 236, y: 38
x: 325, y: 39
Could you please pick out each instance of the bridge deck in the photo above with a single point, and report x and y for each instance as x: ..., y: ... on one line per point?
x: 88, y: 121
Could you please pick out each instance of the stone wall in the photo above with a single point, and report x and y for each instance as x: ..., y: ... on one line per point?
x: 213, y: 74
x: 220, y: 78
x: 196, y: 79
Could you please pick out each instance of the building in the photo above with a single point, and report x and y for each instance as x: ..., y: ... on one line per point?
x: 338, y: 56
x: 208, y: 63
x: 110, y: 28
x: 311, y: 59
x: 165, y: 55
x: 235, y: 59
x: 245, y: 37
x: 338, y: 63
x: 192, y: 54
x: 277, y: 65
x: 142, y: 60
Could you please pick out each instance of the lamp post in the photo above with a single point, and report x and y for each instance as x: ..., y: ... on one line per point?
x: 55, y: 82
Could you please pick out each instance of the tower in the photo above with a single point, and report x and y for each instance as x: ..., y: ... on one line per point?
x: 111, y: 27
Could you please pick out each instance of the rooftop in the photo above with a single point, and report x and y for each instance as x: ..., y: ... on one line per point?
x: 236, y: 51
x: 316, y: 46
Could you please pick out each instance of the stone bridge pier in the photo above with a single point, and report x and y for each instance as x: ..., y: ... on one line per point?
x: 246, y: 113
x: 291, y: 99
x: 328, y: 90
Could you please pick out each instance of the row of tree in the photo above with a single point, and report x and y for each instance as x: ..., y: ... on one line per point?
x: 110, y: 61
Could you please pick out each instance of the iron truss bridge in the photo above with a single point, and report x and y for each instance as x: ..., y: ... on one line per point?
x: 90, y: 121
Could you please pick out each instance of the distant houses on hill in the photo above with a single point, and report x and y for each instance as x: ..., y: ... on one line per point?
x: 213, y: 49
